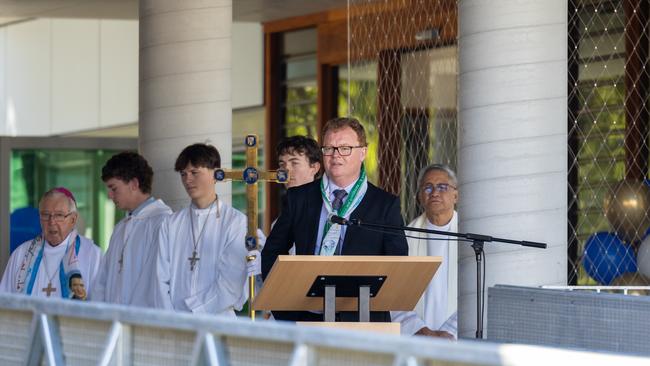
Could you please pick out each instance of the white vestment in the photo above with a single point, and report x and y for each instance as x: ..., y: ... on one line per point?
x: 89, y: 257
x: 134, y: 241
x: 216, y: 285
x: 440, y: 300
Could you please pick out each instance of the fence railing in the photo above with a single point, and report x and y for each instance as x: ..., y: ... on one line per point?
x: 626, y: 290
x: 36, y: 331
x: 575, y: 318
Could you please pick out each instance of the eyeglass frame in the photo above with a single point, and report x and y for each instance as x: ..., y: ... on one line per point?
x: 337, y: 149
x: 61, y: 217
x: 438, y: 187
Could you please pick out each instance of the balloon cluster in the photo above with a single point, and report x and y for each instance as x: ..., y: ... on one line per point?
x: 607, y: 257
x: 614, y: 258
x: 626, y: 209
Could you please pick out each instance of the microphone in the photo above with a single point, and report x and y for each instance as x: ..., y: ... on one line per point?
x: 338, y: 220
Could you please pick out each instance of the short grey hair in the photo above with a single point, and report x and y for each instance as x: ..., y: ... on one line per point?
x: 53, y: 193
x: 440, y: 167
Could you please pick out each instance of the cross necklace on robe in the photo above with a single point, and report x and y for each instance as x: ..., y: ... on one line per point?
x: 195, y: 258
x: 49, y: 289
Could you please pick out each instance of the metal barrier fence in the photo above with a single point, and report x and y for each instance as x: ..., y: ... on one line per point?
x: 36, y: 331
x: 605, y: 322
x: 625, y: 290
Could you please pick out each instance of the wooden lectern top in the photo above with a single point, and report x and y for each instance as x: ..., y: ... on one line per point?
x: 288, y: 283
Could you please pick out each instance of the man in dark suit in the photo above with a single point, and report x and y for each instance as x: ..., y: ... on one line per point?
x: 343, y: 191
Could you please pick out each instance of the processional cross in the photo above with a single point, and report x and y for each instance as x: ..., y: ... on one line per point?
x: 251, y: 175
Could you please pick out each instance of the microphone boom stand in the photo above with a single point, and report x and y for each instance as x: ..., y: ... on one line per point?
x: 477, y: 240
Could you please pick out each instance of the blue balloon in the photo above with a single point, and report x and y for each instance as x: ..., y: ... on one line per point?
x: 25, y: 225
x: 606, y: 257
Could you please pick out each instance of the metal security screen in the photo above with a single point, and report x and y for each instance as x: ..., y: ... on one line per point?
x: 400, y: 82
x: 609, y: 195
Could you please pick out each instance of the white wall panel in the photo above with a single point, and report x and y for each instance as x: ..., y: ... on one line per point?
x: 71, y: 75
x: 519, y: 120
x: 189, y: 24
x: 480, y: 17
x: 247, y: 65
x: 75, y: 75
x: 514, y: 46
x: 28, y: 83
x: 530, y: 81
x: 527, y: 227
x: 118, y: 72
x: 195, y: 88
x: 516, y: 157
x: 205, y: 118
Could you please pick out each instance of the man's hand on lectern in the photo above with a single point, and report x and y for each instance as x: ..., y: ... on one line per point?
x: 435, y: 333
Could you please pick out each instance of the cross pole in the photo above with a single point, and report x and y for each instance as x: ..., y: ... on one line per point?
x: 251, y: 175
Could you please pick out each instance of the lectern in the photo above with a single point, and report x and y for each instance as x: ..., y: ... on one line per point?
x: 347, y: 283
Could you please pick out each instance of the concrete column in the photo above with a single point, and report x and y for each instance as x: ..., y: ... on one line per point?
x: 513, y: 142
x: 185, y: 96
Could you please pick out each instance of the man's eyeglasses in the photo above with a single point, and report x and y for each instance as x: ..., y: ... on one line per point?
x: 440, y: 188
x: 58, y: 217
x: 343, y: 150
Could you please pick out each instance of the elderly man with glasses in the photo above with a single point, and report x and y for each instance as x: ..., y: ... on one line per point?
x: 46, y: 265
x: 435, y: 313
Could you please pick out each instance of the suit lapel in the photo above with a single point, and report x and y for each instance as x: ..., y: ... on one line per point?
x: 314, y: 206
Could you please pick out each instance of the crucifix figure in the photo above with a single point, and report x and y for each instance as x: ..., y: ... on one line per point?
x: 49, y: 289
x: 193, y: 259
x: 251, y: 175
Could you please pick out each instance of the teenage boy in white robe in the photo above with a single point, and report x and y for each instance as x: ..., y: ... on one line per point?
x: 127, y: 274
x: 45, y: 266
x: 435, y: 312
x: 201, y: 265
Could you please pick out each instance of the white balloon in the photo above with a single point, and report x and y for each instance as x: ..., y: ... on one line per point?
x: 643, y: 257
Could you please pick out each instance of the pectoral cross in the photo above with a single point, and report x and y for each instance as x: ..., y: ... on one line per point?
x: 49, y: 289
x: 251, y: 175
x: 193, y: 259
